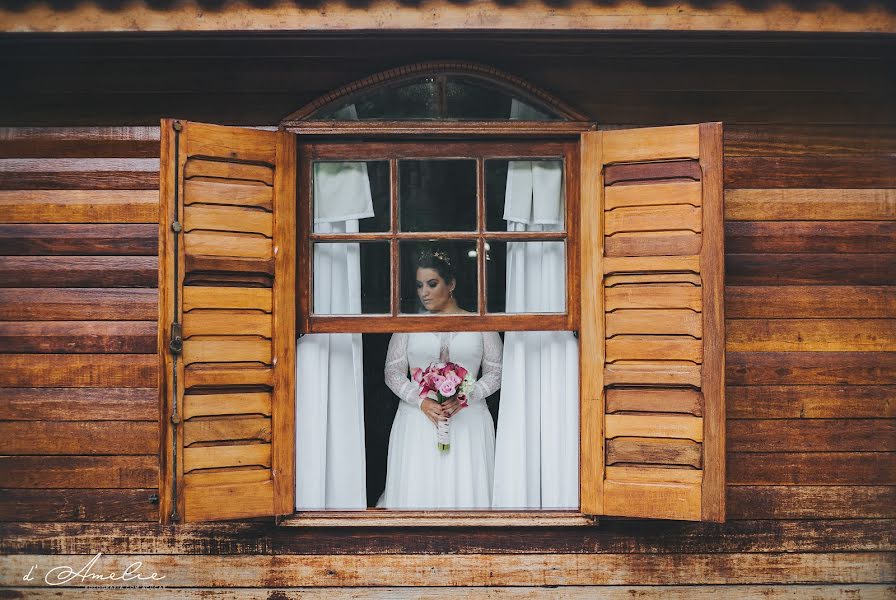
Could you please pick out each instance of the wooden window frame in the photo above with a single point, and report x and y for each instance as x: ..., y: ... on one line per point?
x: 394, y: 150
x: 357, y: 134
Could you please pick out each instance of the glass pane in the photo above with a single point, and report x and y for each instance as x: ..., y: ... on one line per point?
x: 438, y: 277
x: 465, y: 99
x: 346, y: 191
x: 524, y: 195
x: 351, y: 278
x: 418, y: 99
x: 526, y: 277
x: 437, y: 195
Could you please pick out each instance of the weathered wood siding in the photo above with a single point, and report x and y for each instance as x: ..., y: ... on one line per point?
x: 810, y: 178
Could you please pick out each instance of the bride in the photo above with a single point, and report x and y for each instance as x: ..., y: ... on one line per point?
x: 418, y: 474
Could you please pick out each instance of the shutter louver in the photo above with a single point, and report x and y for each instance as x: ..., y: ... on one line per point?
x: 652, y: 323
x: 228, y: 281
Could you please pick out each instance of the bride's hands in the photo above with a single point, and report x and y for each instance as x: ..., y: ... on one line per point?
x: 436, y: 412
x: 433, y: 411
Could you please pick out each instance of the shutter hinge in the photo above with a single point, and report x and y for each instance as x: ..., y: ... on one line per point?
x: 176, y: 345
x: 176, y: 227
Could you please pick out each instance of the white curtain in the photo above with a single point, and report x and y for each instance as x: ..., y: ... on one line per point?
x: 330, y: 458
x: 537, y: 444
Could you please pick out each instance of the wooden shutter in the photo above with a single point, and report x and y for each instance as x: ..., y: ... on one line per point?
x: 652, y: 333
x: 226, y: 279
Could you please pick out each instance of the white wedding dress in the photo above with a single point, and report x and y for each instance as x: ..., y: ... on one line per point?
x: 419, y: 475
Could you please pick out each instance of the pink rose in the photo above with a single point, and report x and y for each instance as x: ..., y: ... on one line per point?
x: 461, y: 372
x: 447, y: 389
x: 437, y: 381
x: 453, y: 378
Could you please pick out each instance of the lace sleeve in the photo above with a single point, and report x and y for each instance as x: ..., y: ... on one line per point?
x: 492, y: 361
x: 396, y: 371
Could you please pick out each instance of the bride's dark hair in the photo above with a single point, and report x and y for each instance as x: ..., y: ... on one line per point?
x: 437, y: 259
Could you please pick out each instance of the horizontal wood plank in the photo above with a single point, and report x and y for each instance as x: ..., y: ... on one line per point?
x: 82, y: 438
x: 605, y: 592
x: 812, y: 269
x: 810, y: 368
x: 215, y: 457
x: 811, y: 502
x: 811, y: 435
x: 807, y: 301
x: 79, y: 206
x: 810, y: 204
x: 87, y: 240
x: 811, y: 468
x: 247, y: 403
x: 227, y: 429
x: 484, y: 569
x: 79, y: 370
x: 79, y: 142
x: 630, y: 536
x: 654, y: 451
x: 768, y: 237
x: 793, y: 335
x: 810, y: 401
x: 807, y: 170
x: 79, y: 271
x: 78, y: 505
x: 79, y: 180
x: 642, y: 399
x: 800, y: 140
x: 93, y: 472
x: 80, y: 404
x: 79, y: 337
x: 653, y: 194
x: 78, y: 304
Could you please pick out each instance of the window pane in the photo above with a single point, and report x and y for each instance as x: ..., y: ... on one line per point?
x: 415, y: 100
x: 527, y: 193
x: 345, y: 191
x: 438, y: 277
x: 351, y: 278
x: 526, y: 277
x: 437, y: 195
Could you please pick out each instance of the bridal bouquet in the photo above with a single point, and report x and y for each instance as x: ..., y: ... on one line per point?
x: 441, y: 382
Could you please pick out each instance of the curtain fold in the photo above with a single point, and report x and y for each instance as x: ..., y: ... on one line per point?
x: 330, y: 454
x: 537, y: 444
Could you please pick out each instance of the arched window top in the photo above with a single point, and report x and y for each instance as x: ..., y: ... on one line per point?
x: 440, y: 92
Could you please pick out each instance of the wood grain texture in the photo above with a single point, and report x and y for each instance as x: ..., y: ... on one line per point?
x: 79, y: 437
x: 812, y: 468
x: 94, y: 472
x: 485, y: 569
x: 79, y: 404
x: 78, y: 505
x: 87, y: 240
x: 79, y: 206
x: 65, y: 142
x: 811, y: 269
x: 78, y: 304
x: 766, y: 237
x: 631, y: 536
x: 678, y: 592
x: 805, y: 204
x: 78, y: 271
x: 812, y: 502
x: 811, y: 368
x: 804, y: 301
x: 625, y: 16
x: 875, y: 171
x: 83, y: 180
x: 795, y: 335
x: 78, y: 337
x: 811, y: 435
x: 78, y: 370
x: 811, y: 401
x: 801, y: 140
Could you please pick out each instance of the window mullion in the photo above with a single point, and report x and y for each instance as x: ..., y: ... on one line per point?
x: 395, y: 298
x: 480, y: 241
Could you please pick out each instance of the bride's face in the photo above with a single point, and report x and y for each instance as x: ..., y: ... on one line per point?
x: 432, y: 290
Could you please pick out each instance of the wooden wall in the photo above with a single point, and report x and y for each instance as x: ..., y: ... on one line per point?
x: 810, y: 177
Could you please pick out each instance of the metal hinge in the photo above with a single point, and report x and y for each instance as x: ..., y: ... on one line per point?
x: 176, y: 345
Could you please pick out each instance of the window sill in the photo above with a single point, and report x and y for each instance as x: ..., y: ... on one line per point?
x: 396, y: 518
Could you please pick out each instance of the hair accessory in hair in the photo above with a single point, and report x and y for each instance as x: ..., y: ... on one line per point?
x: 437, y: 254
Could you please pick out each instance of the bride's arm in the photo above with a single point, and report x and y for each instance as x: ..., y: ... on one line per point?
x: 492, y: 361
x: 396, y: 371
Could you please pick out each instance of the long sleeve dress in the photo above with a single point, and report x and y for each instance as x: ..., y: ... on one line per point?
x: 419, y: 475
